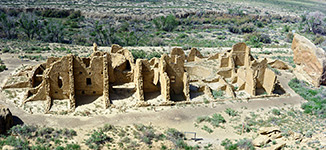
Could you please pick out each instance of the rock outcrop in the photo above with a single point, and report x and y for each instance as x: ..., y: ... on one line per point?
x: 268, y: 134
x: 278, y: 64
x: 6, y: 120
x: 310, y: 60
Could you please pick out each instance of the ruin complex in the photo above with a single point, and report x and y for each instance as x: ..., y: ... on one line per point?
x: 176, y: 75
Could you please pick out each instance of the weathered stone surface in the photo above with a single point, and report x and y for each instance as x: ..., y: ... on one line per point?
x: 261, y: 140
x: 6, y: 120
x: 310, y: 60
x: 268, y: 130
x: 178, y: 52
x: 65, y: 77
x: 115, y: 48
x: 193, y: 54
x: 278, y: 64
x: 278, y: 146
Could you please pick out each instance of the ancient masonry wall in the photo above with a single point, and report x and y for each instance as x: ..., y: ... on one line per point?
x: 68, y: 76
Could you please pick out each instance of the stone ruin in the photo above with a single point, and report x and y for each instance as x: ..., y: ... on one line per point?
x: 175, y: 76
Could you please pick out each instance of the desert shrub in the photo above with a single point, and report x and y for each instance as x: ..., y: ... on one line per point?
x: 202, y: 119
x: 75, y: 14
x: 221, y: 37
x: 316, y: 22
x: 168, y: 23
x: 228, y: 145
x: 207, y: 129
x: 177, y: 138
x: 289, y: 37
x: 256, y: 39
x: 276, y: 71
x: 23, y: 130
x: 245, y: 144
x: 316, y: 98
x: 247, y: 28
x: 97, y: 139
x: 16, y: 142
x: 54, y: 13
x: 216, y: 120
x: 259, y: 24
x: 234, y: 29
x: 276, y: 112
x: 231, y: 112
x: 217, y: 94
x: 141, y: 54
x: 318, y: 39
x: 182, y: 36
x: 286, y: 28
x: 8, y: 26
x: 147, y: 134
x: 29, y: 24
x: 32, y: 57
x: 3, y: 67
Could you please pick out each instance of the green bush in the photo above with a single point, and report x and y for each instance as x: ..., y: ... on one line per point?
x: 3, y: 67
x: 207, y: 129
x: 245, y: 144
x: 318, y: 39
x: 216, y: 120
x: 168, y: 23
x: 256, y: 39
x: 202, y: 119
x: 217, y: 94
x: 16, y: 142
x: 97, y: 140
x: 231, y: 112
x: 316, y: 98
x: 141, y: 54
x: 228, y: 145
x: 289, y: 37
x: 234, y: 29
x: 276, y: 112
x: 247, y: 28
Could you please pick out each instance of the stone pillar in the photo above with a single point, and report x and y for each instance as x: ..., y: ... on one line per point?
x: 6, y: 119
x: 94, y: 47
x: 72, y: 99
x: 106, y: 81
x: 165, y: 86
x: 47, y: 93
x: 186, y: 86
x: 138, y: 79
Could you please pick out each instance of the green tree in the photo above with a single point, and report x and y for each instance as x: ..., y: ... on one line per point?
x: 168, y: 23
x: 53, y: 31
x: 29, y: 24
x: 8, y: 26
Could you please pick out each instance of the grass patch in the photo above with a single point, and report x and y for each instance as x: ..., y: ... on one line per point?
x: 316, y: 98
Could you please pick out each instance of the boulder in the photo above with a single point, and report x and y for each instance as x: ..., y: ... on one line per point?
x: 268, y: 130
x: 278, y: 146
x: 6, y: 120
x: 278, y: 64
x: 310, y: 61
x: 261, y: 140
